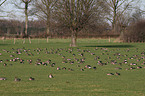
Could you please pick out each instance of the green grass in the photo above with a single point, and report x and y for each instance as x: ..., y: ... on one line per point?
x: 89, y: 82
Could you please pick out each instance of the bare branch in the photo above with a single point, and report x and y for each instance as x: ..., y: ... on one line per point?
x: 26, y: 1
x: 116, y: 8
x: 3, y: 2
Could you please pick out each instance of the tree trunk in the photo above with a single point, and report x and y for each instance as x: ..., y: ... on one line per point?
x: 48, y: 26
x: 114, y: 28
x: 48, y: 30
x: 21, y: 30
x: 8, y: 31
x: 26, y: 19
x: 73, y: 39
x: 114, y: 16
x: 17, y: 30
x: 114, y: 25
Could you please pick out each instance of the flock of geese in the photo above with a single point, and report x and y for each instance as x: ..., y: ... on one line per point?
x: 18, y: 79
x: 79, y: 61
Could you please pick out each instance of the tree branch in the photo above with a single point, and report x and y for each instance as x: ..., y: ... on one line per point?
x: 3, y: 2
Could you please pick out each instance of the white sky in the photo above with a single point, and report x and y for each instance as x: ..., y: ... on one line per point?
x: 14, y: 13
x: 11, y: 12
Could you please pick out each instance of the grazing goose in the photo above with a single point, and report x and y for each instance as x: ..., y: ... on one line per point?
x: 127, y: 69
x: 52, y: 65
x: 17, y: 79
x: 73, y: 54
x: 51, y: 76
x: 63, y: 57
x: 69, y: 69
x: 94, y: 67
x: 3, y: 78
x: 92, y: 53
x: 139, y: 67
x: 71, y: 62
x: 82, y: 69
x: 118, y: 68
x: 1, y: 61
x: 88, y: 66
x: 110, y: 74
x: 64, y: 61
x: 58, y: 68
x: 11, y: 55
x: 78, y: 65
x: 31, y: 78
x: 29, y: 61
x: 132, y: 67
x: 64, y: 68
x: 5, y: 64
x: 117, y: 73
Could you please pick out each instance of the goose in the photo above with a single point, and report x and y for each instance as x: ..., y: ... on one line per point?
x: 29, y: 61
x: 117, y: 73
x: 63, y: 57
x: 52, y: 65
x: 11, y: 55
x: 139, y: 67
x: 58, y: 68
x: 132, y: 67
x: 1, y: 61
x: 64, y: 68
x: 73, y: 54
x: 17, y: 79
x: 3, y: 78
x: 78, y: 65
x: 51, y: 76
x: 64, y: 61
x: 71, y: 62
x: 92, y: 53
x: 31, y: 78
x: 69, y: 69
x: 94, y: 67
x: 5, y: 64
x: 127, y: 69
x: 110, y: 74
x: 82, y: 69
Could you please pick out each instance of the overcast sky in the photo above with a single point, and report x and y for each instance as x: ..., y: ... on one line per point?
x: 12, y: 12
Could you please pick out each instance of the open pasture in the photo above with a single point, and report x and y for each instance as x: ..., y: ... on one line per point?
x: 94, y: 68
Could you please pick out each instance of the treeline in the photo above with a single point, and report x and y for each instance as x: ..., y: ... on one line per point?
x: 76, y: 19
x: 16, y: 28
x: 37, y: 29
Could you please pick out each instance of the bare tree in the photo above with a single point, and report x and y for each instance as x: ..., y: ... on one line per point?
x: 137, y: 15
x: 44, y: 10
x: 75, y: 15
x: 117, y: 8
x: 26, y: 15
x: 2, y: 2
x: 23, y: 5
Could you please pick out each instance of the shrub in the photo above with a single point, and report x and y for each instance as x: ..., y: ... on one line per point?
x: 135, y: 32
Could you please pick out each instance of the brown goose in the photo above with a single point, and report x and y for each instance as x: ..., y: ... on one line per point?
x: 17, y: 79
x: 51, y: 76
x: 3, y: 78
x: 110, y: 74
x: 31, y: 78
x: 117, y: 73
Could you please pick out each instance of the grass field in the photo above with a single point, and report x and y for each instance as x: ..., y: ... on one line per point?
x: 78, y: 79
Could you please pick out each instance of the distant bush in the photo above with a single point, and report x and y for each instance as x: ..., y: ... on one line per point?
x: 135, y: 32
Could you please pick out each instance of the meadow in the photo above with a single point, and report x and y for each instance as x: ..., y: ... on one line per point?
x: 94, y: 68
